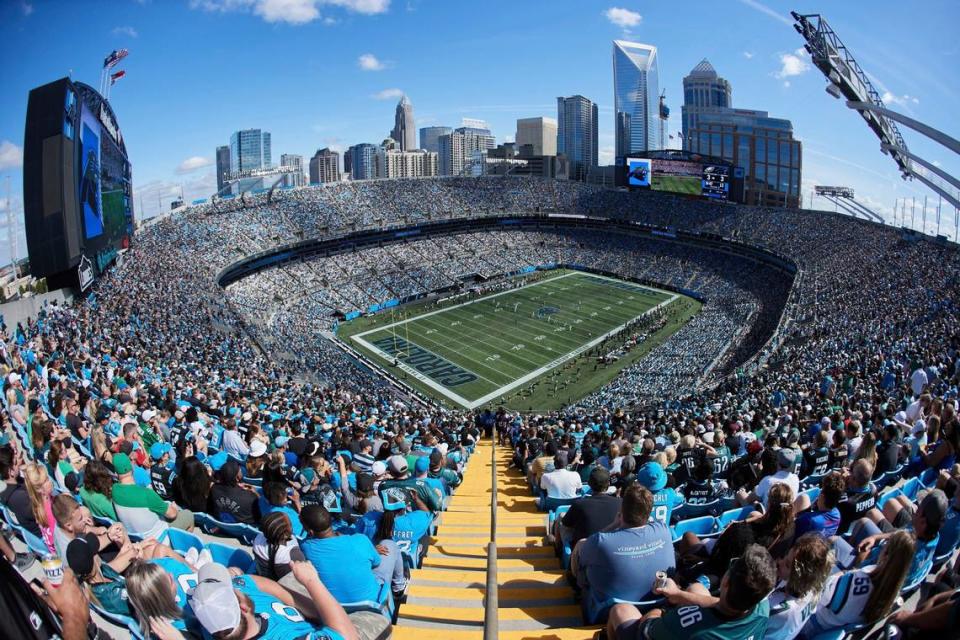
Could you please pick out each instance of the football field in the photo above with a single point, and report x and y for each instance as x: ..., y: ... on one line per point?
x: 474, y: 352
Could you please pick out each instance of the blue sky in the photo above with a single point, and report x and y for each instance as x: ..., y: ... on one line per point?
x: 321, y: 73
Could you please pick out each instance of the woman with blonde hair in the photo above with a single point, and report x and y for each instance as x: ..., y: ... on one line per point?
x: 802, y: 574
x: 155, y: 596
x: 868, y: 449
x: 40, y: 489
x: 864, y: 596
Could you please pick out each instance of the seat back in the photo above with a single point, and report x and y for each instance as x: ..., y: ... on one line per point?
x: 725, y: 518
x: 232, y: 557
x: 181, y: 541
x: 702, y: 526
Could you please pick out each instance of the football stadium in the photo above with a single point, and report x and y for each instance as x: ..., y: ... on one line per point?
x: 501, y: 393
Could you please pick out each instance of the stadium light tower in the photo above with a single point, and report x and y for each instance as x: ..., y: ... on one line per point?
x: 848, y: 80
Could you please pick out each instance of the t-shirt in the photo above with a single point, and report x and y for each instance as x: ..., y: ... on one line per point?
x: 161, y: 479
x: 623, y: 563
x: 706, y: 623
x: 561, y: 484
x: 813, y: 520
x: 664, y: 502
x: 130, y: 495
x: 789, y: 613
x: 784, y: 476
x: 345, y: 565
x: 99, y: 504
x: 237, y: 503
x: 16, y: 498
x: 279, y: 621
x: 888, y: 455
x: 590, y: 514
x: 855, y: 504
x: 842, y: 601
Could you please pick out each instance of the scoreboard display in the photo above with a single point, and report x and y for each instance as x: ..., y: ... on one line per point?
x: 682, y: 176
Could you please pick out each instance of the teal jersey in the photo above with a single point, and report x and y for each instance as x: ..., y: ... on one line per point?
x: 112, y: 595
x: 185, y: 579
x: 699, y: 623
x: 279, y: 621
x: 664, y: 501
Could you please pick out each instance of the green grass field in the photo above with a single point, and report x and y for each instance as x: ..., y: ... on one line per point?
x: 677, y: 184
x: 483, y: 350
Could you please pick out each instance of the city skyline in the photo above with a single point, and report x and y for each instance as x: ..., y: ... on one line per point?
x: 177, y: 104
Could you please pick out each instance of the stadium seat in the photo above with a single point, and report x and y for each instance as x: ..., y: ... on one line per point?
x: 929, y: 477
x: 383, y: 604
x: 554, y: 514
x: 687, y: 511
x: 37, y: 545
x: 215, y: 527
x: 180, y: 541
x: 813, y: 493
x: 704, y: 526
x: 740, y: 513
x: 232, y: 557
x: 595, y: 612
x: 812, y: 481
x: 887, y: 495
x: 910, y: 488
x: 126, y: 622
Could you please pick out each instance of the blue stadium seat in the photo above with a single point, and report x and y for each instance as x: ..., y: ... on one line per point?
x: 126, y: 622
x: 911, y: 487
x: 739, y: 513
x: 232, y: 557
x: 704, y: 526
x: 596, y: 612
x: 383, y: 604
x: 687, y: 510
x: 180, y: 541
x: 215, y: 527
x: 887, y: 495
x: 813, y: 493
x: 37, y: 545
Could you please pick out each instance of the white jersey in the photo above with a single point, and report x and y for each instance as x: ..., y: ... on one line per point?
x: 843, y: 599
x: 788, y: 614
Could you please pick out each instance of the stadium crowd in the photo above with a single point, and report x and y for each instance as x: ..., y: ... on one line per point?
x: 144, y: 411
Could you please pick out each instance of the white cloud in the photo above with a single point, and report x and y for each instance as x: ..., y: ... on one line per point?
x: 294, y: 12
x: 623, y: 18
x: 764, y: 9
x: 904, y: 101
x: 748, y: 55
x: 605, y: 156
x: 192, y: 164
x: 792, y: 64
x: 130, y: 32
x: 388, y: 94
x: 369, y: 62
x: 11, y: 156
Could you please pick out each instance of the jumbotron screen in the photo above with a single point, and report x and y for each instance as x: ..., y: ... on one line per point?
x: 679, y: 176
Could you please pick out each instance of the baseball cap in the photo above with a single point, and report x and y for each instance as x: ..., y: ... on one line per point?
x: 13, y: 377
x: 405, y: 446
x: 379, y: 468
x: 652, y: 476
x: 422, y: 465
x: 934, y: 508
x: 122, y: 464
x: 148, y: 415
x: 754, y: 447
x: 213, y: 601
x: 786, y: 458
x: 257, y: 449
x: 308, y: 475
x: 281, y: 442
x: 80, y: 554
x: 158, y: 449
x: 397, y: 465
x: 216, y: 461
x: 436, y: 457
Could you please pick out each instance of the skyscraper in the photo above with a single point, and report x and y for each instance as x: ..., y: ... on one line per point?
x: 223, y: 166
x: 577, y: 134
x: 363, y: 161
x: 460, y: 147
x: 294, y: 162
x: 249, y: 150
x: 541, y: 133
x: 430, y: 137
x: 404, y: 131
x: 703, y: 90
x: 325, y: 166
x: 636, y: 98
x: 393, y: 163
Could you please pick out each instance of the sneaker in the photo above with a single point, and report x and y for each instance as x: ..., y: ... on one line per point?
x: 205, y: 557
x: 24, y: 561
x: 191, y: 557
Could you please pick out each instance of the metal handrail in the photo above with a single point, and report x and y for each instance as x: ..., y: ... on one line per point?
x: 491, y: 602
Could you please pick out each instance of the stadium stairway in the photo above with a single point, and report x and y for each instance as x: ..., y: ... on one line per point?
x: 446, y: 596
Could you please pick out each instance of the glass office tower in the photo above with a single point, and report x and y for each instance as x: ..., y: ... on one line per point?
x: 636, y: 98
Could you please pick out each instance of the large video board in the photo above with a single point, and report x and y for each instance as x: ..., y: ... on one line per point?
x: 686, y: 177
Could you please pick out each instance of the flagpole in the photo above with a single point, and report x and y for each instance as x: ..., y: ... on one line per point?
x: 939, y: 202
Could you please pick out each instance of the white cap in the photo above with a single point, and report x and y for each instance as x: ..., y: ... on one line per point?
x: 246, y: 416
x: 13, y: 377
x: 148, y: 415
x: 379, y: 468
x: 257, y: 448
x: 216, y: 606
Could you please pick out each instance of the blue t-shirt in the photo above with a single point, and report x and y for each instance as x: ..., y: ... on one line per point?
x: 409, y: 528
x: 950, y: 531
x: 624, y: 563
x: 279, y: 621
x: 295, y: 524
x: 664, y: 502
x: 345, y: 565
x: 823, y: 522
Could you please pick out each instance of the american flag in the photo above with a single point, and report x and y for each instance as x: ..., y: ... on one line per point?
x: 115, y: 56
x: 116, y: 76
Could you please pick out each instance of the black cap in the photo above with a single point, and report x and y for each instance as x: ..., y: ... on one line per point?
x: 80, y: 554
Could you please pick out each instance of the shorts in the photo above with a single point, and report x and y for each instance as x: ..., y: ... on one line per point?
x: 902, y: 520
